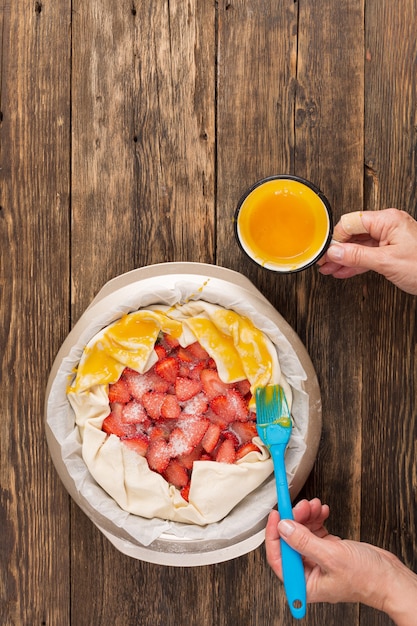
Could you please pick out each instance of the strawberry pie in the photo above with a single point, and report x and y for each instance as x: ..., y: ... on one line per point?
x: 164, y: 402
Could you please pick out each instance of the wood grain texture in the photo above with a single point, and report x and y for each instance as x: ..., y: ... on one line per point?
x: 329, y: 147
x: 34, y: 303
x: 390, y: 109
x: 143, y: 137
x: 307, y: 80
x: 390, y: 373
x: 143, y: 193
x: 128, y: 132
x: 257, y: 64
x: 329, y: 152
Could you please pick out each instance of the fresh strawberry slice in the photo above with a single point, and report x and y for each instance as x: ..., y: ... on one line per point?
x: 227, y: 434
x: 243, y: 387
x: 137, y: 384
x: 198, y: 351
x: 184, y: 369
x: 231, y: 407
x: 134, y: 413
x: 186, y: 388
x: 187, y: 460
x: 167, y: 369
x: 158, y: 455
x: 216, y: 419
x: 238, y: 405
x: 160, y: 351
x: 170, y: 408
x: 197, y: 405
x: 159, y: 432
x: 244, y: 449
x: 191, y: 370
x: 244, y: 430
x: 153, y: 401
x: 119, y: 392
x: 171, y: 342
x: 195, y: 371
x: 187, y: 435
x: 213, y: 386
x: 114, y: 425
x: 226, y: 452
x: 185, y: 492
x: 156, y: 382
x: 211, y: 437
x: 176, y: 474
x: 139, y: 443
x: 178, y: 443
x: 220, y: 406
x: 194, y: 428
x: 185, y: 355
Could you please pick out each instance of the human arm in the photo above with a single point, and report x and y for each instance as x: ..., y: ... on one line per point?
x: 383, y: 241
x: 341, y: 570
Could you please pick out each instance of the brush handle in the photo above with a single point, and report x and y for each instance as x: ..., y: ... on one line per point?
x: 292, y: 564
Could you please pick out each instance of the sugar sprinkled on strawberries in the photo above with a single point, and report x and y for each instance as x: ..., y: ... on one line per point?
x: 211, y: 437
x: 180, y: 411
x: 178, y: 443
x: 119, y: 392
x: 176, y: 474
x: 197, y: 405
x: 158, y: 455
x: 186, y: 388
x: 134, y: 413
x: 168, y: 369
x: 226, y: 452
x: 170, y: 408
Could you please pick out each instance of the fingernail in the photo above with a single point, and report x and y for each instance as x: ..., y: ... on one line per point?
x: 336, y: 252
x: 286, y: 528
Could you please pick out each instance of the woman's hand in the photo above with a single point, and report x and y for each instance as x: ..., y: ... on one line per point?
x: 340, y: 570
x: 382, y: 241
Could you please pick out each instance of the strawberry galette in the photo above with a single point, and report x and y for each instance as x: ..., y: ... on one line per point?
x: 180, y: 411
x: 164, y: 403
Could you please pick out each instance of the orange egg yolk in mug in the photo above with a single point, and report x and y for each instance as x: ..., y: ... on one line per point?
x: 283, y: 224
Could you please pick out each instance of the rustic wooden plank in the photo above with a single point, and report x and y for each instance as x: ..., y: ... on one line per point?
x: 34, y: 303
x: 390, y: 374
x: 255, y: 127
x: 143, y: 137
x: 255, y: 138
x: 390, y: 122
x: 389, y: 424
x: 329, y: 148
x: 143, y: 173
x: 125, y: 591
x: 143, y: 192
x: 290, y: 59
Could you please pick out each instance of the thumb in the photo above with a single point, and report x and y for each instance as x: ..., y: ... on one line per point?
x: 302, y: 539
x: 354, y: 255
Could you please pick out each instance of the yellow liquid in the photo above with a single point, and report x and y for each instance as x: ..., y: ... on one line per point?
x: 283, y: 224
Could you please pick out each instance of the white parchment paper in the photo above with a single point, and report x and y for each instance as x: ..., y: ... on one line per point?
x: 60, y: 416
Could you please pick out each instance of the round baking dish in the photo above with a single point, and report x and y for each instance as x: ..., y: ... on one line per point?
x: 168, y: 548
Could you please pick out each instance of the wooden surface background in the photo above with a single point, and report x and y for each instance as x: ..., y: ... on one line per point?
x: 128, y: 131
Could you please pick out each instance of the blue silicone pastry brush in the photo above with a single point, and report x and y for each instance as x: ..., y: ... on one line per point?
x: 274, y: 425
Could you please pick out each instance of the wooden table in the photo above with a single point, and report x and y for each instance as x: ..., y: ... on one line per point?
x: 128, y: 132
